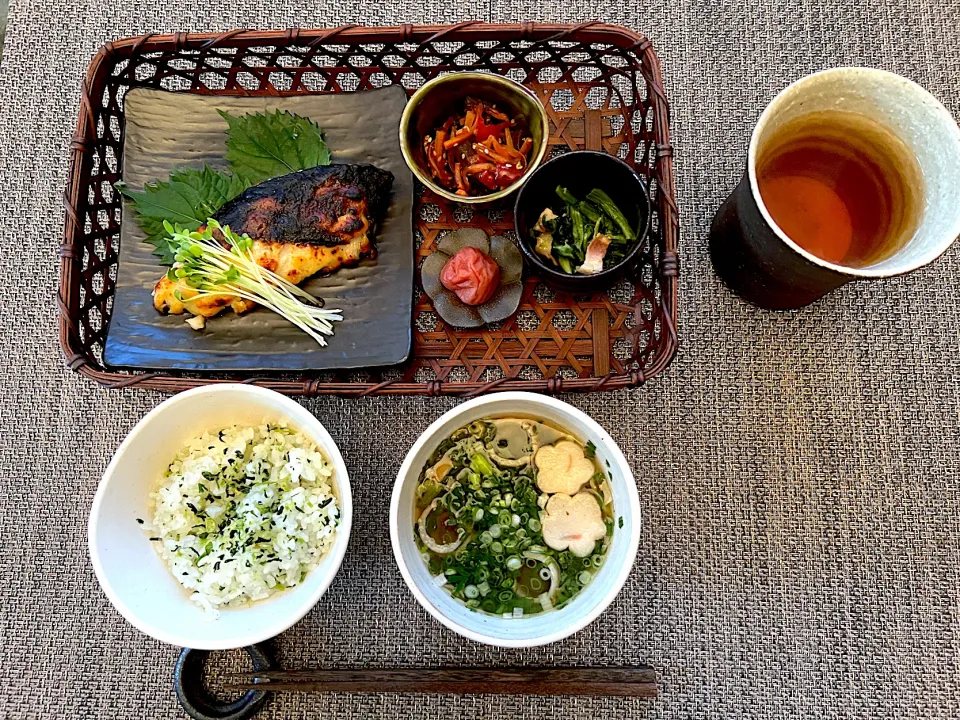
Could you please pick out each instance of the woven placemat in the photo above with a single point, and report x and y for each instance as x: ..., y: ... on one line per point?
x: 798, y: 472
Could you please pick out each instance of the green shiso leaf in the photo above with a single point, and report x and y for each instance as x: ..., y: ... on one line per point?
x: 261, y: 146
x: 188, y: 198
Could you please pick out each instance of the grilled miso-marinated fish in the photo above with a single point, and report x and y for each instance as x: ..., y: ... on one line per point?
x: 307, y: 222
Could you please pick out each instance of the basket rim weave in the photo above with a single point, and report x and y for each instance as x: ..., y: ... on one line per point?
x: 79, y: 359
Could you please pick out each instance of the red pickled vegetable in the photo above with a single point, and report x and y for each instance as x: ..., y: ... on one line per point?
x: 500, y: 177
x: 472, y: 275
x: 485, y: 129
x: 506, y: 176
x: 490, y: 149
x: 488, y: 178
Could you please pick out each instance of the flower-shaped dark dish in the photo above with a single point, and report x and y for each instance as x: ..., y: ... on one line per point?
x: 505, y: 299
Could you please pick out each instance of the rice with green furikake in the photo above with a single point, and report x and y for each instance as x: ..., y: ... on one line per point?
x: 245, y: 512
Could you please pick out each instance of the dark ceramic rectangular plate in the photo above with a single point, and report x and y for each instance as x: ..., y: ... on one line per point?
x: 167, y: 130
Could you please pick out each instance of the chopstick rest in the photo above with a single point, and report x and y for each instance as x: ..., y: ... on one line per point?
x: 199, y: 703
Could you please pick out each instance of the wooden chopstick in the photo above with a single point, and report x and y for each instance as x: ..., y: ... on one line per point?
x: 638, y: 681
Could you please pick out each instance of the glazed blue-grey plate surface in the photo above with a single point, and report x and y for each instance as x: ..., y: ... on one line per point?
x: 165, y: 131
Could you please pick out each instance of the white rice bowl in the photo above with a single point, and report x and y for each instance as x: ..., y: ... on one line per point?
x: 130, y: 567
x: 243, y: 513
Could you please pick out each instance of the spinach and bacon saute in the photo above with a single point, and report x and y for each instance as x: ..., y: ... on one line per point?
x: 584, y: 236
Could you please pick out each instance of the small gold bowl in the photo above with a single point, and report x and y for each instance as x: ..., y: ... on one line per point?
x: 433, y: 103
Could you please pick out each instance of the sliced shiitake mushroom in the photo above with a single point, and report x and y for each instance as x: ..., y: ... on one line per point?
x: 514, y: 444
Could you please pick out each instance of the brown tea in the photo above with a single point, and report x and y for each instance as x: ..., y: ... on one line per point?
x: 841, y: 186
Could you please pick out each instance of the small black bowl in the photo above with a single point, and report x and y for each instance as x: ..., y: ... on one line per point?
x: 581, y: 171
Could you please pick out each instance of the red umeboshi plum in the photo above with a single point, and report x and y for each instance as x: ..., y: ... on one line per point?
x: 472, y: 274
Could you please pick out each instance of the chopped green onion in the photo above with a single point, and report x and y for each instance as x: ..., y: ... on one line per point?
x: 481, y: 465
x: 494, y: 571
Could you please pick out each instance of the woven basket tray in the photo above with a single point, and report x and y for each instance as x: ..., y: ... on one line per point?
x: 602, y: 89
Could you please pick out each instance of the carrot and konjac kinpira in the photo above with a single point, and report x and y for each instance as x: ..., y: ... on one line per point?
x: 477, y: 151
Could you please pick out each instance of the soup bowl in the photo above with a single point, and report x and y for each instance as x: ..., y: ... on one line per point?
x: 529, y: 630
x: 131, y: 573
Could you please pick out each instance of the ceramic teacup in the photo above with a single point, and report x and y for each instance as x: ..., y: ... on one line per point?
x: 762, y: 264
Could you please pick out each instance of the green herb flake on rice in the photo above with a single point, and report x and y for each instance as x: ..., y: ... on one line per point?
x: 245, y: 512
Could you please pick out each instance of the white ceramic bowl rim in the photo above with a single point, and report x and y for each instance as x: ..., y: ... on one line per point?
x: 901, y: 105
x: 302, y: 418
x: 632, y: 511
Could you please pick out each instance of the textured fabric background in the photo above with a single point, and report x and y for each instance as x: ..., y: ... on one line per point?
x: 798, y: 472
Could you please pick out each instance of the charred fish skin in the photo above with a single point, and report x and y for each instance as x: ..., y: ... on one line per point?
x: 328, y: 205
x: 310, y: 222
